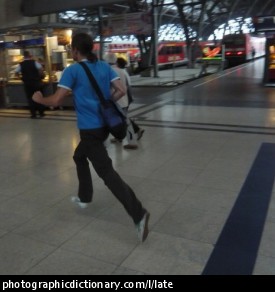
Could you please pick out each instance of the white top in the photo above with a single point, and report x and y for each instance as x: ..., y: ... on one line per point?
x: 125, y: 78
x: 37, y: 65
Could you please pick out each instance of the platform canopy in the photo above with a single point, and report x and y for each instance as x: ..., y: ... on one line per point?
x: 41, y: 7
x: 202, y: 16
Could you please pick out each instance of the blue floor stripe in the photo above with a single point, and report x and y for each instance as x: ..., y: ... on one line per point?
x: 236, y: 250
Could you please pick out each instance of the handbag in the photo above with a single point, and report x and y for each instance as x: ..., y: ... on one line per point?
x: 114, y: 118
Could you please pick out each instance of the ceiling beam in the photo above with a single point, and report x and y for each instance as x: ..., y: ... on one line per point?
x: 42, y: 7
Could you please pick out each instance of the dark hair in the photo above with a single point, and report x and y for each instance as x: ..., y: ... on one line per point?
x: 26, y: 54
x: 84, y: 44
x: 121, y: 62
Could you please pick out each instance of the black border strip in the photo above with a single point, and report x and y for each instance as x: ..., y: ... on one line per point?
x: 236, y: 249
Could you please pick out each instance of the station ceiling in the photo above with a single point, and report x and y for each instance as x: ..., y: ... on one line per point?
x: 203, y: 16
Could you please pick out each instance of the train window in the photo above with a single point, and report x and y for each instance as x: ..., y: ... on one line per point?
x: 171, y: 50
x: 163, y: 51
x: 233, y: 41
x: 178, y: 50
x: 228, y: 41
x: 240, y: 42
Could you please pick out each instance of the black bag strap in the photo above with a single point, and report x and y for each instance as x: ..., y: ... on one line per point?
x: 93, y: 82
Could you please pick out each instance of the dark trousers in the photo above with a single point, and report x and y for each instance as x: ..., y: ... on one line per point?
x: 34, y: 107
x: 135, y: 126
x: 91, y: 148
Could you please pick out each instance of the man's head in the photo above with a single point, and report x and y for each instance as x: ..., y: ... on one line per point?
x: 82, y: 46
x: 27, y: 54
x: 121, y: 63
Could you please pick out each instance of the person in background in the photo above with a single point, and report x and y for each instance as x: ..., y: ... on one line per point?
x: 31, y: 73
x: 92, y: 130
x: 119, y: 65
x: 253, y: 53
x: 122, y: 63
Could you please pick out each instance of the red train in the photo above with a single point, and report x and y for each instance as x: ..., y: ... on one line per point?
x: 240, y: 48
x: 175, y: 53
x: 170, y: 53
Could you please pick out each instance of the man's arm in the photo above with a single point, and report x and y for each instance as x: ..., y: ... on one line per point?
x: 41, y: 73
x: 54, y: 100
x: 17, y: 74
x: 17, y: 71
x: 40, y: 69
x: 119, y: 89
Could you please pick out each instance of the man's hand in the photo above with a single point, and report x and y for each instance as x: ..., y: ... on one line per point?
x: 55, y: 99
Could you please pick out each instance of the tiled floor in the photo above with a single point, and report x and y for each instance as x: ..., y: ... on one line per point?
x: 200, y: 143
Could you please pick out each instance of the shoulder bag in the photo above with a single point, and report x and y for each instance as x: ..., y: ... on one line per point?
x: 113, y: 116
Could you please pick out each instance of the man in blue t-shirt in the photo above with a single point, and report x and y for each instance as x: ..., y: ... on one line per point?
x: 93, y: 133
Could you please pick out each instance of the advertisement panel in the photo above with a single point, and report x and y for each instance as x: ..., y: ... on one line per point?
x: 127, y: 24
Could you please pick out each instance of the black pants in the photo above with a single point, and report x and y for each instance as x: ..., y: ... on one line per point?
x: 135, y: 126
x: 34, y: 107
x: 91, y: 148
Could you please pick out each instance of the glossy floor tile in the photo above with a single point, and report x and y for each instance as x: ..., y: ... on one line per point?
x: 197, y: 154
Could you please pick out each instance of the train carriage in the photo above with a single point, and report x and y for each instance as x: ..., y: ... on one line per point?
x: 240, y: 48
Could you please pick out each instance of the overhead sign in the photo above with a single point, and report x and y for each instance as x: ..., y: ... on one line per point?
x: 264, y: 23
x: 139, y: 23
x: 22, y: 44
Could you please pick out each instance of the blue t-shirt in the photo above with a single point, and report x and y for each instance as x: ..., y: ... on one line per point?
x: 86, y: 101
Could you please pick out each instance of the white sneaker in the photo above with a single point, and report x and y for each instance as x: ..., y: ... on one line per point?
x: 80, y: 204
x: 142, y: 227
